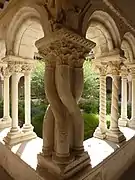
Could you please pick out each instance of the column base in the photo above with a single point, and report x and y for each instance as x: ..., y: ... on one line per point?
x: 123, y: 122
x: 64, y: 170
x: 98, y: 134
x: 28, y: 133
x: 115, y: 135
x: 27, y: 128
x: 131, y: 123
x: 13, y: 137
x: 26, y: 136
x: 5, y: 122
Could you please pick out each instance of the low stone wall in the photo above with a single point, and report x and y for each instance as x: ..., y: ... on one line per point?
x: 16, y: 167
x: 113, y: 166
x: 110, y: 169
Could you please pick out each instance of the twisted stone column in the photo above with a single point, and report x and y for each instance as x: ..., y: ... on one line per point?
x: 65, y: 94
x: 48, y: 133
x: 114, y: 134
x: 76, y: 86
x: 63, y: 133
x: 132, y: 121
x: 124, y: 120
x: 100, y: 132
x: 61, y: 127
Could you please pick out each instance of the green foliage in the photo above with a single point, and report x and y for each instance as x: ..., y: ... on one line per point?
x: 38, y: 112
x: 90, y: 97
x: 21, y: 112
x: 38, y: 81
x: 91, y: 82
x: 108, y: 106
x: 91, y: 122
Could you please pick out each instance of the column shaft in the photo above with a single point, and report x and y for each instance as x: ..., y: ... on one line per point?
x: 27, y: 127
x: 123, y: 120
x: 124, y: 98
x: 114, y: 134
x: 133, y: 99
x: 100, y: 132
x: 6, y: 98
x: 114, y: 104
x: 27, y: 99
x: 132, y: 121
x: 15, y: 80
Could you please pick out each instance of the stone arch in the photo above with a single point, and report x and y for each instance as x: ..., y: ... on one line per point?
x: 128, y: 45
x: 103, y: 31
x: 21, y: 16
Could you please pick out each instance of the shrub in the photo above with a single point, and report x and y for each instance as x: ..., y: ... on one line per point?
x: 89, y: 106
x: 38, y: 112
x: 90, y: 123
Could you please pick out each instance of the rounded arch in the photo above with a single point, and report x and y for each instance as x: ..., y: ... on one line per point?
x: 22, y: 15
x: 128, y: 45
x: 106, y: 25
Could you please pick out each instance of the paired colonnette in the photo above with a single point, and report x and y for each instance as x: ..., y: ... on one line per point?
x: 16, y: 67
x: 116, y: 67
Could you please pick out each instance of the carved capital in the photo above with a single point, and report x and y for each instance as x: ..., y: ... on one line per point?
x: 103, y: 69
x: 114, y: 68
x: 64, y: 47
x: 15, y: 67
x: 124, y: 71
x: 132, y: 70
x: 27, y: 68
x: 6, y: 72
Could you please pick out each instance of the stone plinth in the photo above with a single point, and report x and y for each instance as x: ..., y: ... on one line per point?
x: 63, y: 171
